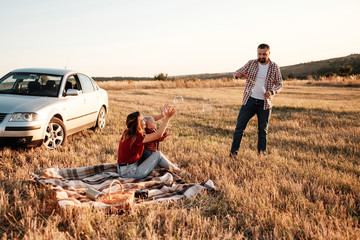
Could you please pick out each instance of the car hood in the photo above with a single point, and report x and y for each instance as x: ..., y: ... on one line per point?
x: 19, y: 103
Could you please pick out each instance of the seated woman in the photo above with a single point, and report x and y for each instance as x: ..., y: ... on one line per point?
x: 132, y: 143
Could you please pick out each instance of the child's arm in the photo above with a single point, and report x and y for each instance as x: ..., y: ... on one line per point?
x: 158, y: 117
x: 162, y: 114
x: 156, y: 135
x: 166, y: 134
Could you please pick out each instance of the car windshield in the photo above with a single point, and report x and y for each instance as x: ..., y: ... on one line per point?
x: 34, y: 84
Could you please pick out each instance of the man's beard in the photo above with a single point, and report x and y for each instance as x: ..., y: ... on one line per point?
x: 262, y: 60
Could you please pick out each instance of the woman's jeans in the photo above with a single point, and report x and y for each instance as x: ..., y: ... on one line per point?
x: 141, y: 170
x: 247, y: 111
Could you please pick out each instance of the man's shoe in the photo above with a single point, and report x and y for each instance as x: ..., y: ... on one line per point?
x: 262, y: 154
x: 233, y: 154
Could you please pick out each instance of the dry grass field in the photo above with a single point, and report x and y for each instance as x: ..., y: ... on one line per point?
x: 308, y: 187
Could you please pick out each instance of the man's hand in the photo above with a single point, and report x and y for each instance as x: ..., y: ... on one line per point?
x: 267, y: 94
x: 240, y: 75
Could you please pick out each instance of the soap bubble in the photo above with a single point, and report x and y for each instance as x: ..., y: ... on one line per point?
x: 207, y: 108
x: 178, y: 100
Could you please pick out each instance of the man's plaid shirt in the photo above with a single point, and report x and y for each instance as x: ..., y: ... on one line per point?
x: 273, y: 81
x: 154, y: 145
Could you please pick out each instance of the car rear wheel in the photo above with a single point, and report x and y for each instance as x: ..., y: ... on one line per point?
x: 101, y: 120
x: 55, y: 134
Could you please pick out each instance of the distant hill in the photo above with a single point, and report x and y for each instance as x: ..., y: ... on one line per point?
x: 322, y: 68
x: 206, y: 75
x: 122, y: 79
x: 302, y: 70
x: 299, y: 71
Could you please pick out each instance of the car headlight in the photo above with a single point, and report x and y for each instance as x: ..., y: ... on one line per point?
x: 24, y: 117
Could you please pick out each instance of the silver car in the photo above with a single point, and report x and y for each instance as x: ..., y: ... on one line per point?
x: 44, y: 106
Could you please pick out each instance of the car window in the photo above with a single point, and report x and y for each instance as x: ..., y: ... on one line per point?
x: 96, y: 87
x: 35, y: 84
x: 7, y: 83
x: 72, y: 83
x: 86, y: 83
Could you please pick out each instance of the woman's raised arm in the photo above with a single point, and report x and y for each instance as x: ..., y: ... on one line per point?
x: 169, y: 112
x: 162, y: 113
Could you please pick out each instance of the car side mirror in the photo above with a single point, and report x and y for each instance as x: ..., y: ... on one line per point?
x: 72, y: 92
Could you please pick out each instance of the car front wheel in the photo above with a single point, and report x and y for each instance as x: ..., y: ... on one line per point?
x: 55, y: 134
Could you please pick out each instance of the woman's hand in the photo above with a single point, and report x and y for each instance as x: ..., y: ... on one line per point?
x: 162, y: 110
x: 169, y: 112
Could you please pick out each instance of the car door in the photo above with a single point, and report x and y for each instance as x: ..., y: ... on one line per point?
x: 91, y: 100
x: 74, y: 105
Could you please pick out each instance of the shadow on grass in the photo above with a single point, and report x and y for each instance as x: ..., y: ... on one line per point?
x: 330, y: 150
x: 312, y: 111
x: 348, y: 85
x: 316, y: 117
x: 205, y: 129
x: 86, y: 133
x: 14, y: 146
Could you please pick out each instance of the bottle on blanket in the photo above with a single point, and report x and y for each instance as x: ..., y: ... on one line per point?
x: 93, y: 194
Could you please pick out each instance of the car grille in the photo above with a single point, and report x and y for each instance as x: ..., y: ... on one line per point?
x: 2, y: 116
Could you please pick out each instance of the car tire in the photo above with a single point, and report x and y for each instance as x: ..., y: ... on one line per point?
x: 55, y: 134
x: 101, y: 120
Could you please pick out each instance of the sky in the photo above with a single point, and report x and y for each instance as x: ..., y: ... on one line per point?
x: 142, y: 38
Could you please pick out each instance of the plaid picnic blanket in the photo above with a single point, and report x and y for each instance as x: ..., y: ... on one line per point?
x: 70, y: 185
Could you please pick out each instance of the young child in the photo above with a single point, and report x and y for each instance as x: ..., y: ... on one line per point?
x: 150, y: 147
x: 150, y: 127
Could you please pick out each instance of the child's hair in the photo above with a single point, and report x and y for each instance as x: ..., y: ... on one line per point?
x: 147, y: 118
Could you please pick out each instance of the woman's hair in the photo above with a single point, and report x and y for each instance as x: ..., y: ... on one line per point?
x: 133, y: 126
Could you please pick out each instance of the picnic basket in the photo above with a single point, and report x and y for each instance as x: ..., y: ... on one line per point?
x: 120, y: 200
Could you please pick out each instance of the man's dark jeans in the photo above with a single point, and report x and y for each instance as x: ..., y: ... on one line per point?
x: 247, y: 111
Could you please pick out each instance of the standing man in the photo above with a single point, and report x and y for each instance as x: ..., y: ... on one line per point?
x: 263, y: 82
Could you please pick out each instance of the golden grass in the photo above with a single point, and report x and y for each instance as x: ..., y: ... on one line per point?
x: 350, y: 81
x: 306, y: 188
x: 177, y: 83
